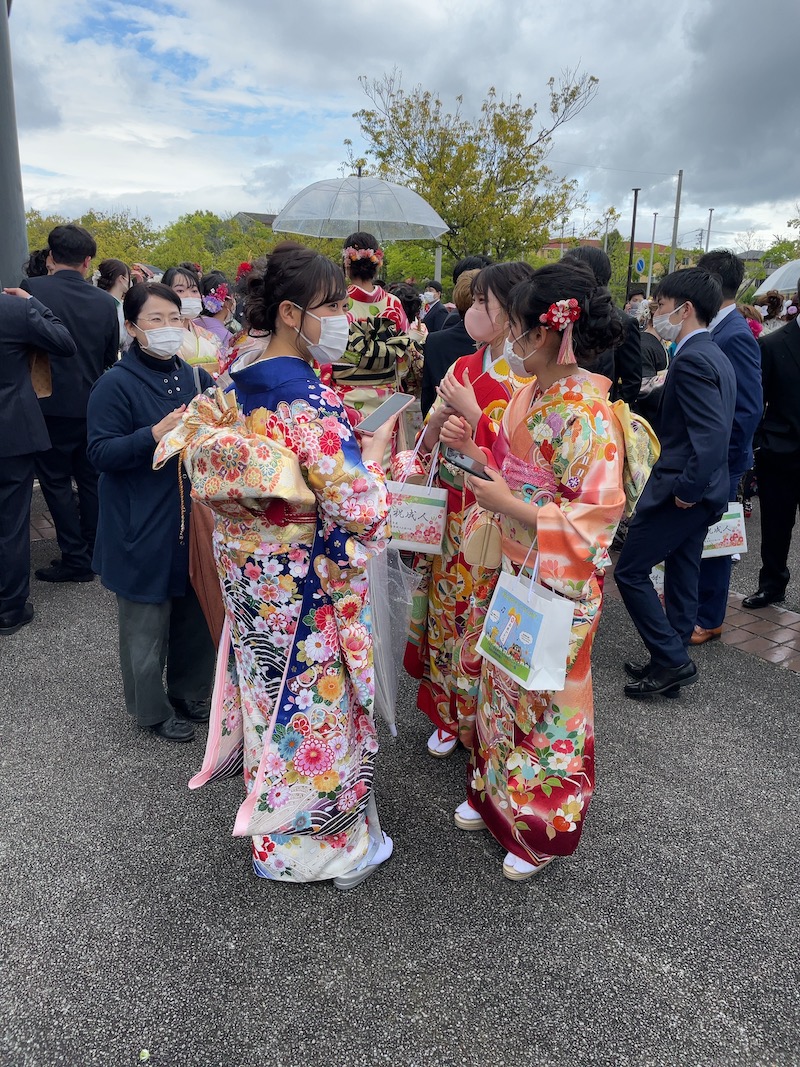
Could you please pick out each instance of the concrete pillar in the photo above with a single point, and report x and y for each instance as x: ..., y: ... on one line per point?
x: 13, y: 238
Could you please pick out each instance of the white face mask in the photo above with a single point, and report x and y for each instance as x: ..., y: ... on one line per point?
x: 666, y: 329
x: 430, y: 298
x: 515, y: 362
x: 165, y: 341
x: 334, y: 333
x: 191, y: 306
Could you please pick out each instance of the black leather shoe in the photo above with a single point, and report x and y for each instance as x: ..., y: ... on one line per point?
x: 762, y: 599
x: 12, y: 621
x: 61, y: 573
x: 196, y: 710
x: 637, y: 670
x: 662, y: 681
x: 174, y: 729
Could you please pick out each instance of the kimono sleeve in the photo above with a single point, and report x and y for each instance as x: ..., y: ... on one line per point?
x: 350, y: 492
x: 575, y: 530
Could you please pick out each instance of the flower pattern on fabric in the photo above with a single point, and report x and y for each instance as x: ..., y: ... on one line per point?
x: 532, y: 767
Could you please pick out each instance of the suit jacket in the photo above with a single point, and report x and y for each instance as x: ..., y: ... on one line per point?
x: 779, y: 431
x: 623, y: 365
x: 90, y: 315
x: 442, y: 349
x: 25, y: 324
x: 695, y: 419
x: 736, y: 340
x: 435, y: 317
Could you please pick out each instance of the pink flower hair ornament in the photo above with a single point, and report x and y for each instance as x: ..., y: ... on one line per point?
x: 374, y: 255
x: 215, y: 299
x: 560, y: 316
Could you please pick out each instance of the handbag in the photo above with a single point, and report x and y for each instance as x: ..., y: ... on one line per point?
x: 418, y: 513
x: 41, y: 377
x: 482, y: 538
x: 728, y: 535
x: 527, y: 631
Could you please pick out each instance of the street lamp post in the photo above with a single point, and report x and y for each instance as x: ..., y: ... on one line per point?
x: 13, y: 242
x: 708, y: 231
x: 633, y: 235
x: 652, y: 255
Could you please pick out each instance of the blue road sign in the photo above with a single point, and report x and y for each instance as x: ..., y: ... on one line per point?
x: 639, y: 265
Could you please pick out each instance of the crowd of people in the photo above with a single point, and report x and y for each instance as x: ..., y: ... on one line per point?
x: 187, y: 425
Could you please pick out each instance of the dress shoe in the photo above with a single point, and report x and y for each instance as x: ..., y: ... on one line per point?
x: 762, y: 599
x: 637, y: 670
x: 662, y: 681
x: 196, y: 710
x: 701, y: 635
x: 60, y: 573
x: 174, y: 729
x: 12, y: 621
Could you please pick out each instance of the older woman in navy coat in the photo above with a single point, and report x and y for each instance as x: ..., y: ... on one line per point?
x: 139, y: 553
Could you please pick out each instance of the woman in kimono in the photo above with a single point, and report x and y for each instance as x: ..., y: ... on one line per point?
x: 298, y: 694
x: 559, y: 489
x: 201, y: 347
x: 478, y: 386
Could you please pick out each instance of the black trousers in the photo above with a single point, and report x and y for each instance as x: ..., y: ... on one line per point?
x: 75, y: 520
x: 779, y: 492
x: 16, y: 488
x: 154, y: 636
x: 674, y: 535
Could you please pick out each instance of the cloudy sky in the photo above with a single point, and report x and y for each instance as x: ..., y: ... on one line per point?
x: 228, y: 105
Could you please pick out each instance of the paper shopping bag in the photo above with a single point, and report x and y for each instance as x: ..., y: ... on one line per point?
x: 526, y: 633
x: 417, y: 515
x: 728, y: 535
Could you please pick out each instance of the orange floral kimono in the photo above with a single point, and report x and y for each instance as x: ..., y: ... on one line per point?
x: 442, y: 643
x: 531, y: 774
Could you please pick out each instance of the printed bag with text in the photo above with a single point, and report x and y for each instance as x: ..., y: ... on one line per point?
x: 526, y: 632
x: 728, y: 535
x: 418, y: 514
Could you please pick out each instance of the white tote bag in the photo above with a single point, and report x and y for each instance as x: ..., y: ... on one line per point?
x: 418, y: 513
x: 527, y: 630
x: 727, y: 536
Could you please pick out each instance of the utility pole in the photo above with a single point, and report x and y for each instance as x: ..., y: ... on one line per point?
x: 605, y: 237
x: 633, y: 235
x: 14, y: 241
x: 675, y: 223
x: 652, y: 255
x: 708, y: 231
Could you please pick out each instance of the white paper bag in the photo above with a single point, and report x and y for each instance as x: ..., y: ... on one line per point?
x: 526, y: 633
x: 728, y: 535
x: 417, y: 515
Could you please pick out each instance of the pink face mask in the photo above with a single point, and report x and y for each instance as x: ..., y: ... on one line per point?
x: 479, y: 324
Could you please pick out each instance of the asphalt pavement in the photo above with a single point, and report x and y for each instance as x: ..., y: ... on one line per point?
x: 135, y: 932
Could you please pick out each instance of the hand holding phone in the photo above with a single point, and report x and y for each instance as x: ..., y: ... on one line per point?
x: 466, y: 463
x: 390, y: 408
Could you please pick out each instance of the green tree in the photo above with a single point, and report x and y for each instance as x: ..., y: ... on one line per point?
x: 487, y: 176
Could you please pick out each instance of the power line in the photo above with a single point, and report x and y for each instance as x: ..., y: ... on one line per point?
x: 618, y: 170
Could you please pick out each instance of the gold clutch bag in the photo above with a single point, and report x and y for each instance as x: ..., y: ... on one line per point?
x: 482, y: 540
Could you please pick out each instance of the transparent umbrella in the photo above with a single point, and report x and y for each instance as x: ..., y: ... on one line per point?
x: 341, y: 206
x: 784, y: 279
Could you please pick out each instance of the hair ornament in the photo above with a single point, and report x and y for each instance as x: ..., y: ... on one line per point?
x: 242, y: 269
x: 561, y: 314
x: 215, y: 299
x: 374, y: 255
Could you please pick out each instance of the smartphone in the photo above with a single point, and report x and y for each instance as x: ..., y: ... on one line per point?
x: 396, y: 403
x: 466, y: 463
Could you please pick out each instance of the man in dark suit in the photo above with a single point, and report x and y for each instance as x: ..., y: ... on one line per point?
x: 25, y: 324
x: 622, y: 365
x: 778, y: 460
x: 688, y: 488
x: 730, y: 331
x: 442, y: 349
x: 436, y: 313
x: 90, y: 315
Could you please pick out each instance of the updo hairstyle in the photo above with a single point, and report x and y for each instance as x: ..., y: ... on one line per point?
x: 362, y: 269
x: 295, y: 273
x: 598, y: 327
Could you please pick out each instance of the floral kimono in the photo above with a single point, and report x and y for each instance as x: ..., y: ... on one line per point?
x: 441, y: 650
x: 294, y: 691
x: 531, y: 773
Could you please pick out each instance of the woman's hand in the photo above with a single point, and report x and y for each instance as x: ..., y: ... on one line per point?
x: 168, y: 423
x: 374, y: 445
x: 433, y: 427
x: 460, y: 397
x: 456, y: 433
x: 493, y: 495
